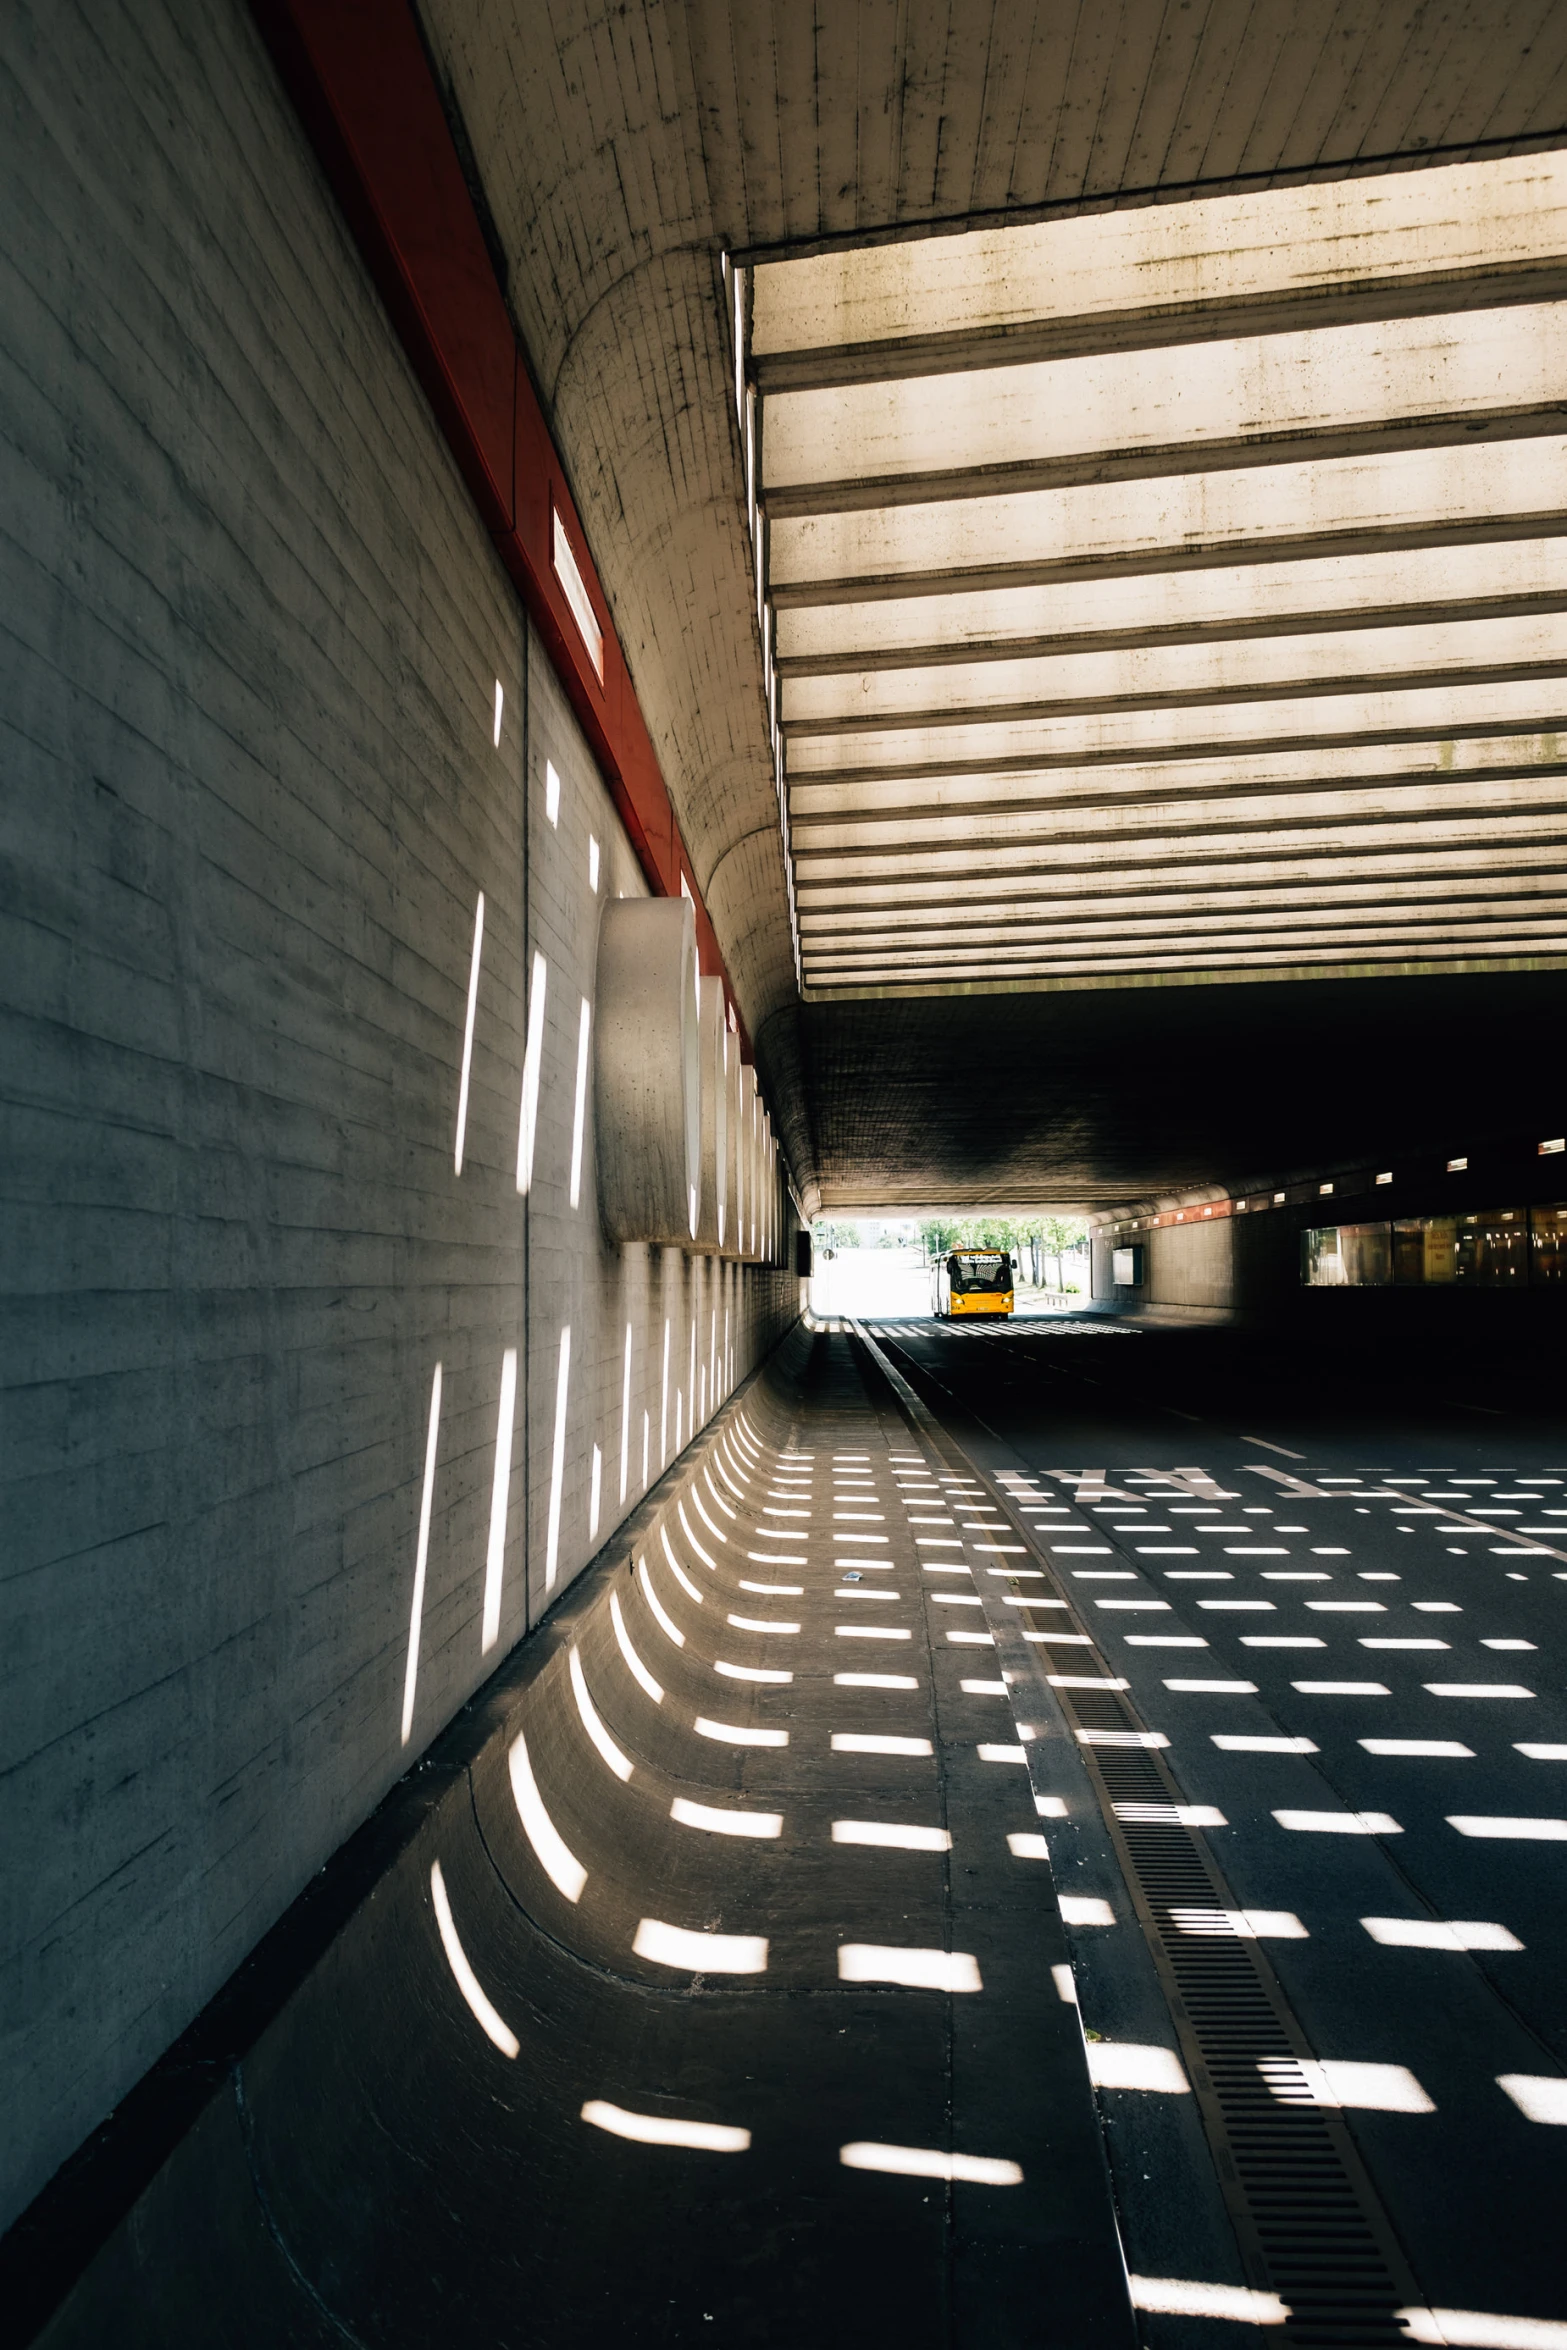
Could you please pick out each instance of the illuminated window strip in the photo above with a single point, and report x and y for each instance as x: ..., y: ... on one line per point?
x: 1448, y: 221
x: 965, y: 747
x: 1312, y: 828
x: 1024, y: 937
x: 1271, y: 665
x: 575, y: 589
x: 921, y: 888
x: 1486, y: 489
x: 1248, y: 395
x: 1172, y: 938
x: 1397, y: 945
x: 1145, y: 607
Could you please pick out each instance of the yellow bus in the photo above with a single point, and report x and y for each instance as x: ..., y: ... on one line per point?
x: 972, y: 1281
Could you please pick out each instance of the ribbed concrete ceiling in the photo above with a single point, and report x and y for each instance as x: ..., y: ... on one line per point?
x: 1176, y: 590
x: 621, y: 149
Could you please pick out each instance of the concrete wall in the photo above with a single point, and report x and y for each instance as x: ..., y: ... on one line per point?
x: 1184, y: 1265
x: 1192, y: 1265
x: 1250, y: 1266
x: 250, y: 632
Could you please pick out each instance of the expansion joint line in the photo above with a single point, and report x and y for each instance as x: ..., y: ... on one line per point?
x: 1308, y: 2222
x: 269, y: 2219
x: 889, y: 1420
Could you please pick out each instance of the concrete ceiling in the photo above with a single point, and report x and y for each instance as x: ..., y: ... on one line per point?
x: 1111, y: 1096
x: 620, y: 151
x: 1177, y: 589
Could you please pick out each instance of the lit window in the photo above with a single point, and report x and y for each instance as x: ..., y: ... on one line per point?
x: 575, y: 589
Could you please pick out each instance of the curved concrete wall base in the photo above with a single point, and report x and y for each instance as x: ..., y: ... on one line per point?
x: 598, y: 2051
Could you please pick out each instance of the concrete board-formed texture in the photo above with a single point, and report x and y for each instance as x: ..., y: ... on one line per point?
x: 705, y: 1986
x: 256, y: 779
x: 1194, y: 1267
x: 648, y: 1088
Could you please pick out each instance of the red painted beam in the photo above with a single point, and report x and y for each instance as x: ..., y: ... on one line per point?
x: 360, y: 78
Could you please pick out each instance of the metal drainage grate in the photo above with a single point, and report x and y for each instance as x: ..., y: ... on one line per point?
x: 1310, y: 2224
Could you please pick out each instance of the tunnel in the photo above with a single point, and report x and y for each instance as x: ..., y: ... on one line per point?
x: 786, y: 954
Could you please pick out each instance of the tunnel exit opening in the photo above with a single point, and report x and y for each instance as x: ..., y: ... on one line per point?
x: 949, y: 1263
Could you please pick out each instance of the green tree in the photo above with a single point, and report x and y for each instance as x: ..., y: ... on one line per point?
x: 997, y: 1232
x: 940, y: 1235
x: 1062, y: 1232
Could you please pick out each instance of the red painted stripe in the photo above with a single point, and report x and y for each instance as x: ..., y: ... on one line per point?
x: 360, y: 78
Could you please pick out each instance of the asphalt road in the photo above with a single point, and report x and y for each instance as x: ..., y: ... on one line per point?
x: 1339, y: 1594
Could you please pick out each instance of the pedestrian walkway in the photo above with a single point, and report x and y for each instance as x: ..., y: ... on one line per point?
x: 719, y: 1985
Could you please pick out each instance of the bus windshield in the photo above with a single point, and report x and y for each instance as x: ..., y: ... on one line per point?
x: 986, y: 1270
